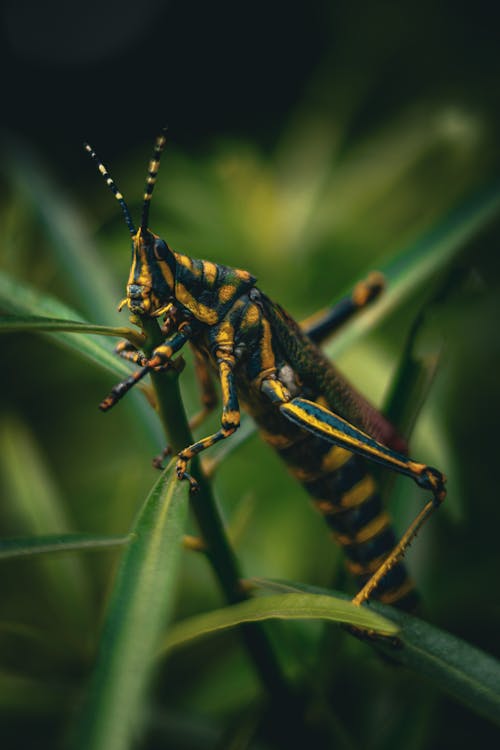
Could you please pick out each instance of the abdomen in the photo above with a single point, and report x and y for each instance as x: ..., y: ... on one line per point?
x: 346, y: 494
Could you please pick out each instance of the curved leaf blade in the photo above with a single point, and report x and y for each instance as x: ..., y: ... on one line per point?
x: 13, y: 323
x: 422, y: 261
x: 34, y: 505
x: 22, y: 299
x: 141, y: 603
x: 463, y: 671
x: 289, y: 606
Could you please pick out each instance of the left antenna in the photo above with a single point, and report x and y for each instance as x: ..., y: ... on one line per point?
x: 113, y: 187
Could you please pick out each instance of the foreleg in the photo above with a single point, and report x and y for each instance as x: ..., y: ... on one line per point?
x: 159, y: 360
x: 230, y: 419
x: 128, y: 351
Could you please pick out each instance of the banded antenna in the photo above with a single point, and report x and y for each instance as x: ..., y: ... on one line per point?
x: 154, y: 166
x: 112, y: 186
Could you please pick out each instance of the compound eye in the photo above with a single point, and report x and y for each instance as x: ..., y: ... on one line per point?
x: 161, y: 249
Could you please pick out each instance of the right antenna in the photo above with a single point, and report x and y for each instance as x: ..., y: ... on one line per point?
x: 154, y: 166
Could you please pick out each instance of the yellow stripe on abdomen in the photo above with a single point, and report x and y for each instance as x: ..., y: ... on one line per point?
x: 359, y: 493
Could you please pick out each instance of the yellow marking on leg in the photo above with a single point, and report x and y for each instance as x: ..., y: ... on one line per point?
x: 224, y: 371
x: 231, y: 418
x: 364, y: 291
x: 162, y: 311
x: 164, y: 351
x: 359, y: 493
x: 225, y: 336
x: 397, y: 553
x: 269, y: 378
x: 266, y: 349
x: 336, y: 435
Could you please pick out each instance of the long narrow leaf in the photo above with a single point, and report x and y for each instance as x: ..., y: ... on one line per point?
x: 13, y: 323
x: 20, y: 299
x: 140, y: 605
x: 421, y: 262
x: 33, y: 502
x: 463, y: 671
x: 50, y: 543
x: 289, y: 606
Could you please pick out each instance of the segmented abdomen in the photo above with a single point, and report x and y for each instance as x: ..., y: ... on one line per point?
x: 346, y: 494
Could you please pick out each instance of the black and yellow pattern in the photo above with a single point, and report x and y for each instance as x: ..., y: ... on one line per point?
x: 154, y: 166
x: 322, y: 428
x: 112, y: 186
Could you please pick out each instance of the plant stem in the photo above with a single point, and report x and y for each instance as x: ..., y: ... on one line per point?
x: 218, y: 549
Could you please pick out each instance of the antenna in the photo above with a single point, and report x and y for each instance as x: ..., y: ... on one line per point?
x: 154, y: 166
x: 112, y: 186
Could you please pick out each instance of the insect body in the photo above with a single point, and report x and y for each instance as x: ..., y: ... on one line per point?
x: 317, y: 422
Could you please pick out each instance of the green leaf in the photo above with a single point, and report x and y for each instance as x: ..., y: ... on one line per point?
x: 49, y: 543
x: 463, y: 671
x: 420, y: 263
x: 21, y: 299
x: 290, y: 606
x: 33, y: 502
x: 140, y: 605
x: 13, y: 323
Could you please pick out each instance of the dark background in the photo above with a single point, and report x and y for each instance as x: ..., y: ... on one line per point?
x: 115, y: 70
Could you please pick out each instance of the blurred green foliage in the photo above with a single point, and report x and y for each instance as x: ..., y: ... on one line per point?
x: 332, y: 199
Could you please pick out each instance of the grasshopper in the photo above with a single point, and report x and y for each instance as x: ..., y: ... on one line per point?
x: 326, y: 432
